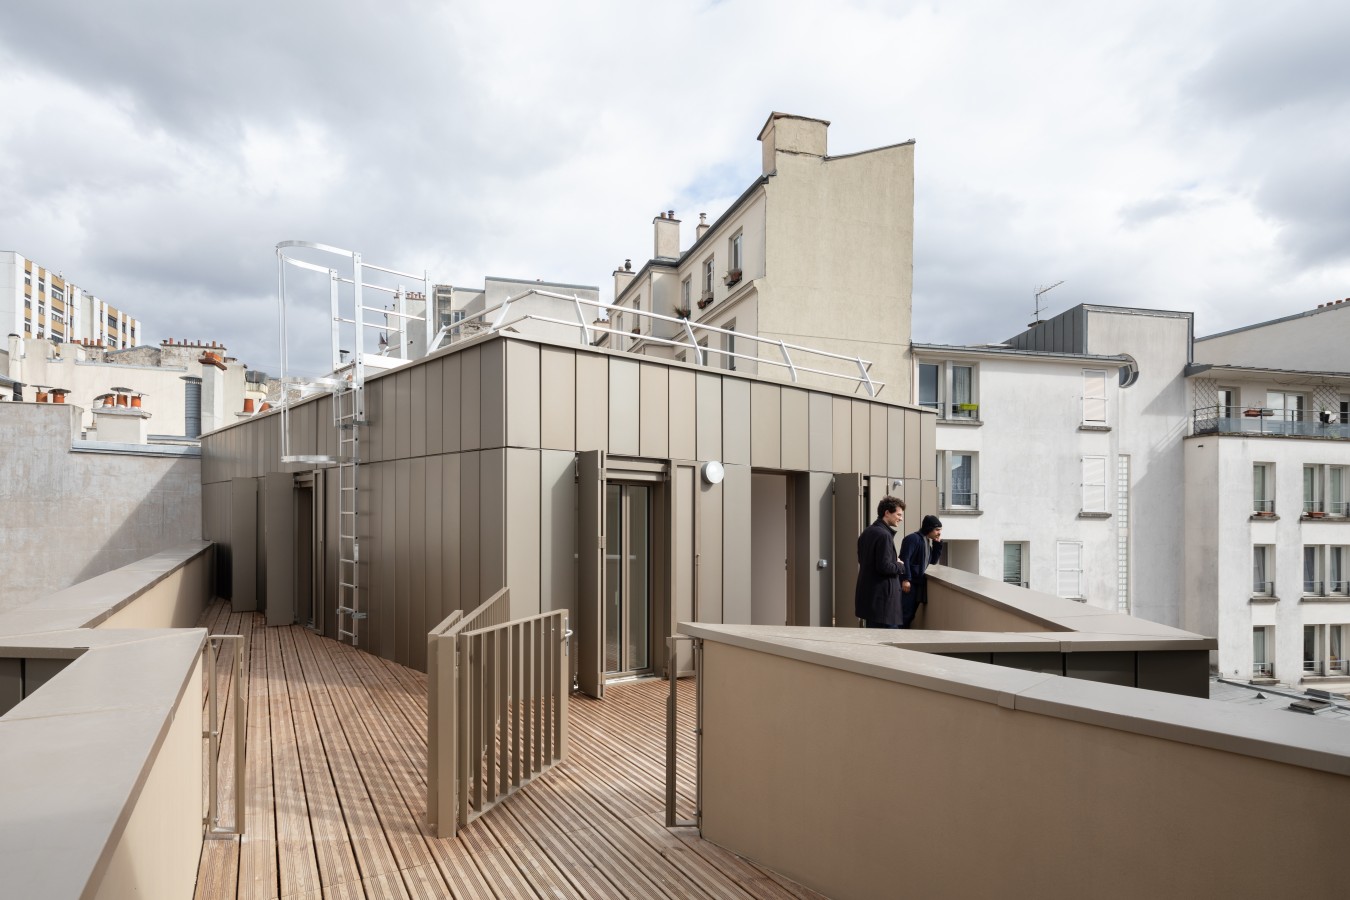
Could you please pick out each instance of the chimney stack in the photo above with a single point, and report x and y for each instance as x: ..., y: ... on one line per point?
x: 786, y: 133
x: 623, y: 277
x: 703, y: 226
x: 667, y: 235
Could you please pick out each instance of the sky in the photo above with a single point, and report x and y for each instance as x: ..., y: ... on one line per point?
x: 1191, y: 156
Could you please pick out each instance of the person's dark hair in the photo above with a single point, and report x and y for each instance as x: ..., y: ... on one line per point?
x: 889, y: 504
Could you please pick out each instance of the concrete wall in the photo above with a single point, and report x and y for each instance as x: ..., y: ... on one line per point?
x: 1313, y: 341
x: 71, y: 515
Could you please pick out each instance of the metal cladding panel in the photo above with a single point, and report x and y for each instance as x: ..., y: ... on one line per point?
x: 592, y: 374
x: 433, y: 546
x: 492, y: 515
x: 328, y: 616
x: 403, y: 558
x: 708, y: 509
x: 590, y: 620
x: 736, y: 556
x: 279, y: 547
x: 492, y: 395
x: 389, y: 424
x: 861, y: 439
x: 815, y: 541
x: 417, y: 413
x: 708, y: 418
x: 558, y: 398
x: 11, y: 683
x: 850, y: 518
x: 879, y: 438
x: 842, y: 432
x: 522, y: 396
x: 928, y: 493
x: 735, y: 422
x: 623, y: 407
x: 470, y: 531
x: 402, y: 381
x: 243, y: 544
x: 820, y: 435
x: 913, y: 464
x: 928, y: 446
x: 418, y: 551
x: 524, y: 515
x: 683, y: 422
x: 653, y: 411
x: 382, y: 596
x: 766, y: 432
x: 1184, y: 672
x: 1111, y: 668
x: 796, y: 430
x: 451, y: 402
x: 557, y: 526
x: 372, y: 435
x: 451, y: 535
x: 469, y: 401
x: 895, y: 443
x: 683, y: 565
x: 434, y: 407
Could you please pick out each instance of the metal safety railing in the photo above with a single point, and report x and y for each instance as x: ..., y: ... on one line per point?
x: 496, y: 708
x: 1266, y: 421
x: 214, y: 729
x: 496, y: 318
x: 672, y: 716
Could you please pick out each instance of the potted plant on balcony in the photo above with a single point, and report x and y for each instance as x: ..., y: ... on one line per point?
x: 732, y: 277
x: 682, y: 312
x: 971, y: 408
x: 706, y: 300
x: 1252, y: 412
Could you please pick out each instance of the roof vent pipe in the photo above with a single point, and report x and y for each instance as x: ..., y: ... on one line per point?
x: 192, y: 406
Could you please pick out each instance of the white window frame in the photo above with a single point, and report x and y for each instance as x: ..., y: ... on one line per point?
x: 729, y: 345
x: 735, y: 251
x: 1263, y: 570
x: 1313, y: 569
x: 1094, y: 484
x: 1069, y: 570
x: 1313, y: 495
x: 709, y: 267
x: 1020, y: 577
x: 945, y: 476
x: 1338, y: 578
x: 1263, y: 499
x: 1261, y: 665
x: 687, y: 293
x: 1094, y: 397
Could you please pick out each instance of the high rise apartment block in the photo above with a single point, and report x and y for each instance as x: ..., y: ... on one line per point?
x: 36, y: 302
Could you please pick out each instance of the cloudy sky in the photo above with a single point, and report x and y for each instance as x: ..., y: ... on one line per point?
x: 1187, y: 156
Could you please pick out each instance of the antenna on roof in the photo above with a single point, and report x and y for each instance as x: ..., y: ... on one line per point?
x: 1038, y: 308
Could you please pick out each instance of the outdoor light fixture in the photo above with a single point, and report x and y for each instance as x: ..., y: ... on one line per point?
x: 713, y: 472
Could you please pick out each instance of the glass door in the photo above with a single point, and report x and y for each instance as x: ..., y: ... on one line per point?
x: 627, y: 608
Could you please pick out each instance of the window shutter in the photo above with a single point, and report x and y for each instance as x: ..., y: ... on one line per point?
x: 1094, y: 396
x: 1069, y: 566
x: 1094, y: 484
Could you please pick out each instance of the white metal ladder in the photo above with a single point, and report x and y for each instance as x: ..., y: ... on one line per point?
x: 348, y: 417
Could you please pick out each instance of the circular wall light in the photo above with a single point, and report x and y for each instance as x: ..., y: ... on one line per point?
x: 713, y: 472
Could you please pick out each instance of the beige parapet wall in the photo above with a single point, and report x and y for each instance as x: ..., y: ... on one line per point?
x: 101, y: 766
x: 866, y: 770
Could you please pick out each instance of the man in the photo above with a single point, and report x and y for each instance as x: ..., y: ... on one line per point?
x: 876, y: 598
x: 918, y: 551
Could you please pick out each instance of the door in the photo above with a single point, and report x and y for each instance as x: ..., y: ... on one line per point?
x: 279, y: 547
x: 850, y: 518
x: 628, y: 579
x: 243, y: 544
x: 590, y: 571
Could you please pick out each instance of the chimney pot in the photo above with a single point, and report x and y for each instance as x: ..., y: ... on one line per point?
x: 628, y: 265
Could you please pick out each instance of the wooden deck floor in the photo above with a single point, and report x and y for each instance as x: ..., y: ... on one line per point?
x: 336, y: 801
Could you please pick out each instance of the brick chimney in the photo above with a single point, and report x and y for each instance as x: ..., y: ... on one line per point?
x: 667, y: 235
x: 785, y: 133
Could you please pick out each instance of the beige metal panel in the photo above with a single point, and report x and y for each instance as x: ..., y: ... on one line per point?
x: 382, y: 596
x: 766, y: 433
x: 388, y: 421
x: 653, y: 411
x: 590, y: 619
x: 434, y: 550
x: 434, y: 405
x: 492, y: 394
x: 417, y: 415
x: 469, y: 403
x: 929, y: 494
x: 683, y: 567
x: 470, y: 534
x: 558, y: 398
x: 401, y: 535
x: 708, y: 546
x: 813, y: 510
x: 879, y: 438
x: 861, y: 438
x: 243, y: 544
x: 895, y: 442
x: 736, y: 556
x: 850, y: 518
x: 524, y: 510
x: 328, y: 616
x: 928, y: 446
x: 842, y: 444
x: 522, y: 398
x: 11, y: 683
x: 402, y: 381
x: 735, y: 422
x: 418, y: 596
x: 820, y: 435
x: 796, y: 430
x: 279, y: 547
x: 557, y: 531
x: 451, y: 402
x: 913, y: 466
x: 683, y: 422
x: 592, y: 400
x: 492, y: 516
x: 623, y: 406
x: 451, y: 538
x: 708, y: 414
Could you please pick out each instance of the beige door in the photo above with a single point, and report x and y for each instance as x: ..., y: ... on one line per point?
x: 850, y: 518
x: 590, y: 572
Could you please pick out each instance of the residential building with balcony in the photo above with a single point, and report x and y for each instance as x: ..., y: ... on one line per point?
x: 36, y: 302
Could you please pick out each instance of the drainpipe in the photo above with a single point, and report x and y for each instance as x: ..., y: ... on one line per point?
x: 192, y: 406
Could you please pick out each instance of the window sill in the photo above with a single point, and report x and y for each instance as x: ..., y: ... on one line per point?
x: 1307, y: 518
x: 1329, y: 598
x: 964, y: 423
x: 1257, y: 517
x: 1261, y: 598
x: 1094, y: 515
x: 961, y: 511
x: 1086, y: 427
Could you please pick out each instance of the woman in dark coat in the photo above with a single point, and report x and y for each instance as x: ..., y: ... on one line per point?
x: 877, y: 596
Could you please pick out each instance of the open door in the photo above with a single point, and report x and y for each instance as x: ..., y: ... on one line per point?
x: 279, y: 547
x: 591, y: 572
x: 850, y: 518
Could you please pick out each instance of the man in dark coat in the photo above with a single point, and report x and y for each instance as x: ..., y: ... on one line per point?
x: 876, y: 598
x: 918, y: 551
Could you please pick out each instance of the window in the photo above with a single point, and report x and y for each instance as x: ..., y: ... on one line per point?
x: 957, y: 473
x: 963, y: 392
x: 112, y: 321
x: 27, y: 279
x: 703, y: 352
x: 1263, y: 485
x: 1094, y: 396
x: 942, y: 383
x: 928, y: 386
x: 1014, y: 563
x: 1311, y: 656
x: 27, y: 303
x: 729, y: 344
x: 57, y: 293
x: 1312, y: 571
x: 686, y: 294
x: 708, y: 277
x: 1069, y: 569
x: 1263, y: 571
x: 1336, y: 485
x: 1337, y: 583
x: 737, y: 242
x: 1312, y: 491
x: 1228, y: 403
x: 1094, y: 484
x: 1261, y: 667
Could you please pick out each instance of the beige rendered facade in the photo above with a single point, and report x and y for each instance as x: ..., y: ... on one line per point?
x: 818, y: 251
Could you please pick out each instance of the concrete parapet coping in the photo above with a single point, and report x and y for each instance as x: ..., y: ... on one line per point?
x: 909, y: 659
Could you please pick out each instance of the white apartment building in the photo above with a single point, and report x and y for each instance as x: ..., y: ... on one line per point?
x: 36, y: 302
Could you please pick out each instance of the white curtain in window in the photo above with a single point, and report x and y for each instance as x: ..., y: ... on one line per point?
x: 1258, y: 645
x: 1094, y: 484
x: 1259, y: 579
x: 962, y: 379
x: 1258, y: 484
x: 1069, y: 569
x: 1094, y: 396
x: 1310, y: 568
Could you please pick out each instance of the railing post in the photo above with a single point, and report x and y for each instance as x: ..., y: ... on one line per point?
x: 581, y: 319
x: 672, y: 713
x: 787, y: 360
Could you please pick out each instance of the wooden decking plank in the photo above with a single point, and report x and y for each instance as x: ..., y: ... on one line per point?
x: 258, y: 876
x: 218, y: 870
x: 579, y: 869
x: 463, y: 877
x: 296, y: 861
x: 694, y: 867
x: 630, y: 878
